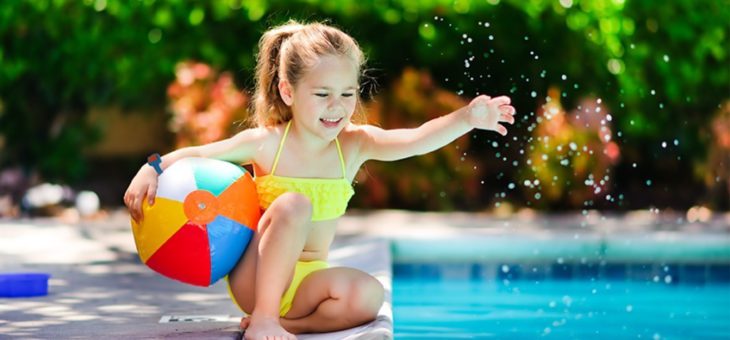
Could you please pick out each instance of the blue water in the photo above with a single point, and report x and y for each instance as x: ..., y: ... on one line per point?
x: 426, y: 308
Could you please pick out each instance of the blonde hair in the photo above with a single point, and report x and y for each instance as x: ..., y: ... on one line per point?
x: 287, y: 52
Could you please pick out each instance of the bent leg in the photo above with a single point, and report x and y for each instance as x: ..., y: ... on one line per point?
x: 334, y: 299
x: 259, y: 281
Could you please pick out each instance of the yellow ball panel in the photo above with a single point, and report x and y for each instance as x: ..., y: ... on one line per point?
x: 160, y: 222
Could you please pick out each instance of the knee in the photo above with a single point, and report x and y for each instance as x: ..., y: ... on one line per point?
x: 291, y: 209
x: 366, y: 296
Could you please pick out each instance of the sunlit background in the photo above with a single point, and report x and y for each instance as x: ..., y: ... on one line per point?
x: 621, y: 104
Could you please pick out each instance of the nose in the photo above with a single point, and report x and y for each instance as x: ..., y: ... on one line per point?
x: 336, y: 103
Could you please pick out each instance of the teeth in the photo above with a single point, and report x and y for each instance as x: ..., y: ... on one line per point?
x: 330, y: 120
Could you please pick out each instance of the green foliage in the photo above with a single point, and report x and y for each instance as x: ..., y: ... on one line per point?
x: 661, y: 67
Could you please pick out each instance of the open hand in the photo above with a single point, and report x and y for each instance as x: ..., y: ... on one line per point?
x: 487, y: 113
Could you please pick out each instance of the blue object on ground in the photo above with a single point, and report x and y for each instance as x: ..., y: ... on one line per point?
x: 23, y: 284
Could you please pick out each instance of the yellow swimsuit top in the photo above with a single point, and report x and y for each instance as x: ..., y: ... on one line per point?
x: 329, y: 196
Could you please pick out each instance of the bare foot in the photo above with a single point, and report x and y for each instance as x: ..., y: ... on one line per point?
x: 263, y: 328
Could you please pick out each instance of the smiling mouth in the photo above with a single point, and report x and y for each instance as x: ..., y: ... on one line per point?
x: 330, y: 122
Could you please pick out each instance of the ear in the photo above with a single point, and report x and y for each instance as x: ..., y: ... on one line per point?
x: 285, y: 91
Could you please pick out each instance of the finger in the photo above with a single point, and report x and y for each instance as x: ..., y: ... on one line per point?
x: 151, y: 193
x: 501, y: 130
x: 507, y: 109
x: 501, y: 100
x: 137, y: 208
x: 132, y: 212
x: 507, y: 118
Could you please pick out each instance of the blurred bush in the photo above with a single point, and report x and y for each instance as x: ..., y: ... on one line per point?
x: 716, y: 169
x: 570, y: 156
x: 660, y: 67
x: 439, y: 180
x: 204, y: 105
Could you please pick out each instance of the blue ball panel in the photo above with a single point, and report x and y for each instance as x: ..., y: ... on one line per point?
x: 215, y: 175
x: 228, y: 240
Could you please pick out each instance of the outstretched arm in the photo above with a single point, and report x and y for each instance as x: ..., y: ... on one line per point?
x: 482, y: 113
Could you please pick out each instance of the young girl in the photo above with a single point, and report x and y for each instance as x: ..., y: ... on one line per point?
x: 305, y: 153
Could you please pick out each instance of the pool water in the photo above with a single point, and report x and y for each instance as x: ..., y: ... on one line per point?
x: 466, y: 308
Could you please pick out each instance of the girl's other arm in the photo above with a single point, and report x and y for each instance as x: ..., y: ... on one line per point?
x: 241, y: 149
x: 482, y: 113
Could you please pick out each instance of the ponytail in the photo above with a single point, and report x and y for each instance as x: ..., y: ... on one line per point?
x: 268, y: 105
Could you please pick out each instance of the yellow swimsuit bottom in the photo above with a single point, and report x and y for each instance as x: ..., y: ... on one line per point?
x: 301, y: 270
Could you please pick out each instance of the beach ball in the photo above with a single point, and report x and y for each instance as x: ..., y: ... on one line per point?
x: 203, y: 217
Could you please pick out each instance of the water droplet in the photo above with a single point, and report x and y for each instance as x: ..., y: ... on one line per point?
x: 533, y: 94
x: 648, y: 182
x: 564, y: 77
x: 676, y: 142
x: 511, y: 186
x: 505, y: 268
x: 664, y: 145
x: 666, y: 58
x: 629, y: 308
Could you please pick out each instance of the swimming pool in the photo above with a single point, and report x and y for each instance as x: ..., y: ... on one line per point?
x: 429, y: 306
x: 565, y: 297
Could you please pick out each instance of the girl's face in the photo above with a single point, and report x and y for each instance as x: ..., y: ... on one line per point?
x: 324, y: 99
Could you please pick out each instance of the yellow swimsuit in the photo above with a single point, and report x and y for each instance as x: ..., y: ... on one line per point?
x: 329, y: 198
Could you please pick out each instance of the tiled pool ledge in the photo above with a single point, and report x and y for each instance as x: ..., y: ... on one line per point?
x: 471, y: 246
x: 460, y: 237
